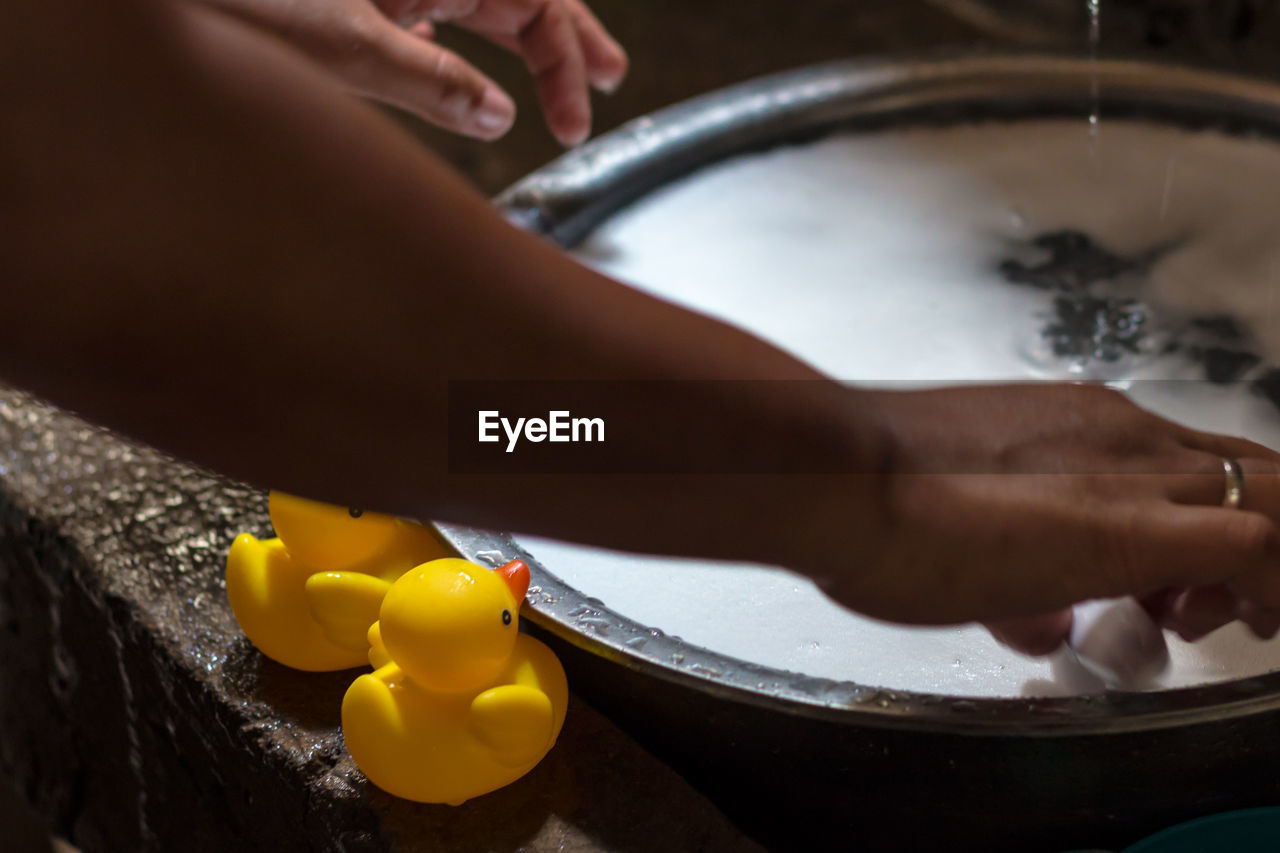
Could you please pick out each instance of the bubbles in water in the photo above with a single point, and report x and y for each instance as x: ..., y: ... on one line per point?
x: 1103, y: 340
x: 1093, y: 325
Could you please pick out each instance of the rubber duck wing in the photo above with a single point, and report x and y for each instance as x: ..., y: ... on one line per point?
x: 266, y: 588
x: 345, y: 604
x: 375, y: 731
x: 515, y: 721
x: 378, y: 654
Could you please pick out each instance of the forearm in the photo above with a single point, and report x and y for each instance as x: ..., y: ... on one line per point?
x: 267, y: 278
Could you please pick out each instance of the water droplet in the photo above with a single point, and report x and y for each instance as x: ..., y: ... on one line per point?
x: 596, y: 624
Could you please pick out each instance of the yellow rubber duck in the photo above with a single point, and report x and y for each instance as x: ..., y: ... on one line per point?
x: 461, y: 702
x: 307, y: 598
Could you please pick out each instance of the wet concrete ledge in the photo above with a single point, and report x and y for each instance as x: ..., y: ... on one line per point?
x: 135, y: 716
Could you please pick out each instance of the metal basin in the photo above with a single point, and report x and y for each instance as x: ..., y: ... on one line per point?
x: 801, y: 760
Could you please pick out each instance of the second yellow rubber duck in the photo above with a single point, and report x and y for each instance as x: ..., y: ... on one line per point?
x: 307, y: 598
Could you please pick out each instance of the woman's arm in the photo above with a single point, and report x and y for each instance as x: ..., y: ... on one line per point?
x: 206, y: 247
x: 215, y: 252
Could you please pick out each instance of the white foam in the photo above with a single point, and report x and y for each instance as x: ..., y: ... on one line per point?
x: 873, y: 258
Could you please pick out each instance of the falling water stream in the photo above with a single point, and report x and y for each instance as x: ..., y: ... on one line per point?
x: 1094, y: 11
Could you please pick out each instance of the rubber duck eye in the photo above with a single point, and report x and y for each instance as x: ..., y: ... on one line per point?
x: 506, y: 617
x: 355, y: 513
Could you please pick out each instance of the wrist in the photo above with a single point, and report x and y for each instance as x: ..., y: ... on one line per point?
x: 835, y: 517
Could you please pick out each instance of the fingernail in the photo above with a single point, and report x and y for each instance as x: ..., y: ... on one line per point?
x: 608, y: 86
x: 575, y: 138
x: 421, y: 29
x: 495, y: 113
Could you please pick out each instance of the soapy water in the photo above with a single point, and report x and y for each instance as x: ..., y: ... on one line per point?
x: 921, y: 256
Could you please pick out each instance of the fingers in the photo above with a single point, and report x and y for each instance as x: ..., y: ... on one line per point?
x: 397, y: 10
x: 551, y: 49
x: 1207, y: 487
x: 1263, y: 622
x: 408, y: 70
x: 1200, y: 611
x: 555, y: 38
x: 605, y: 59
x: 1159, y: 544
x: 1191, y: 613
x: 563, y: 44
x: 422, y: 29
x: 1226, y: 445
x: 1261, y: 478
x: 1203, y: 482
x: 1252, y: 596
x: 1034, y: 635
x: 439, y: 10
x: 1242, y: 582
x: 1260, y: 589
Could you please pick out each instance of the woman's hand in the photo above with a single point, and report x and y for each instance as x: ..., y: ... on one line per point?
x: 1004, y: 501
x: 383, y: 49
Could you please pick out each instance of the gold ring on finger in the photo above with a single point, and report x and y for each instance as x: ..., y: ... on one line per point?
x: 1233, y: 494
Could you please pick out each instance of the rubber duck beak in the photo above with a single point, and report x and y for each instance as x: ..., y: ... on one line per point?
x: 516, y: 576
